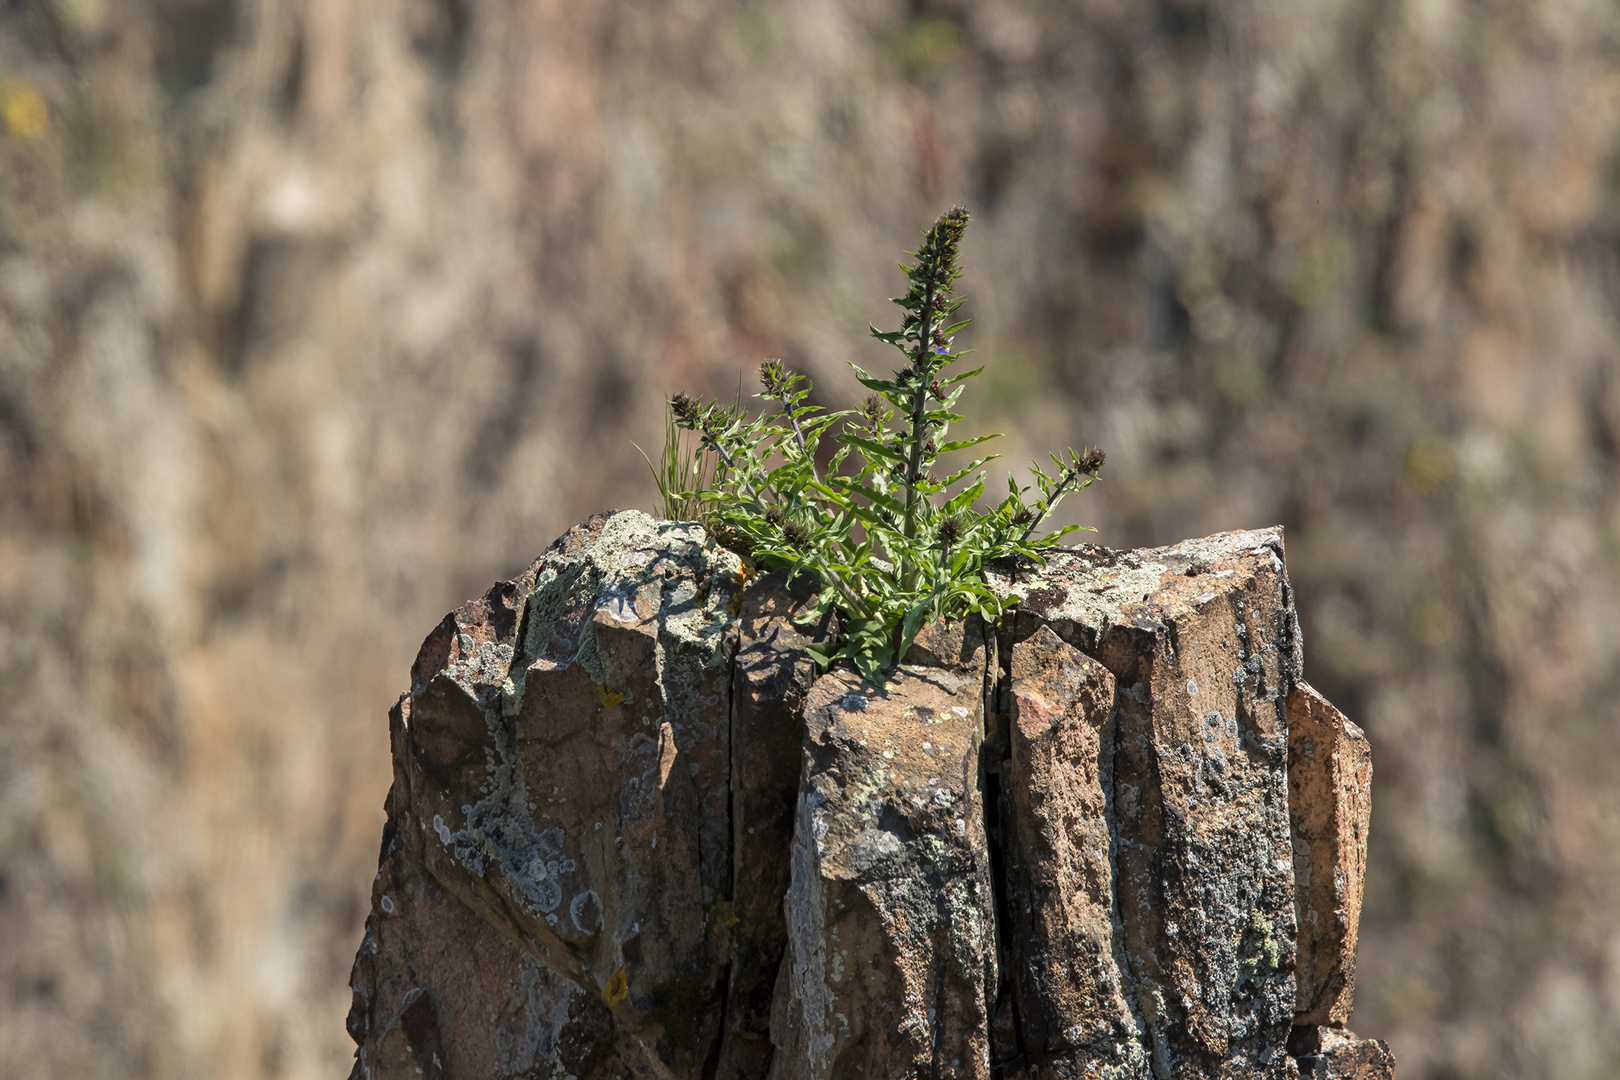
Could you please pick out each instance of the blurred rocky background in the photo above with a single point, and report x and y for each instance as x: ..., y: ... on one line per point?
x: 317, y: 316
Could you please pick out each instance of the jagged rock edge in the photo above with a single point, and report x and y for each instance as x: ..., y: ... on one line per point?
x: 482, y: 897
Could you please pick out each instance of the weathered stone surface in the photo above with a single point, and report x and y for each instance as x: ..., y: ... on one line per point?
x: 961, y: 645
x: 890, y: 922
x: 1330, y: 805
x: 1326, y: 1053
x: 631, y: 834
x: 1203, y: 642
x: 440, y: 992
x: 566, y: 775
x: 770, y: 682
x: 1074, y: 1016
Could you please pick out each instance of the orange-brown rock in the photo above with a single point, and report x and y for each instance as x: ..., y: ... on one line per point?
x: 1204, y: 645
x: 770, y: 681
x: 890, y: 923
x: 563, y: 771
x: 437, y: 988
x: 1330, y: 804
x: 1069, y: 972
x: 1326, y: 1053
x: 633, y: 834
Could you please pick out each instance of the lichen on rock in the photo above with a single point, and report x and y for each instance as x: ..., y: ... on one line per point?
x: 633, y: 833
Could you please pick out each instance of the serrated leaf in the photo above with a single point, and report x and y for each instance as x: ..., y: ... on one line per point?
x: 964, y: 499
x: 877, y: 498
x: 971, y: 466
x: 886, y: 387
x: 963, y: 444
x: 873, y: 450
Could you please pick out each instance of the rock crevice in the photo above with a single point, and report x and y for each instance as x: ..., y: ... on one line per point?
x: 633, y: 833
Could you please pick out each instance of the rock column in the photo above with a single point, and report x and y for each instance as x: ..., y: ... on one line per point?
x: 633, y: 833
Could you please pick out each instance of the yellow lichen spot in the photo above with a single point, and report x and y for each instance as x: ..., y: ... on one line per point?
x: 741, y: 578
x: 612, y: 698
x: 618, y: 988
x: 725, y: 914
x: 25, y: 112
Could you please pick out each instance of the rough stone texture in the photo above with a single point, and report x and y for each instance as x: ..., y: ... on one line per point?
x: 1070, y: 977
x: 770, y: 682
x: 1326, y: 1053
x: 891, y: 929
x: 563, y: 769
x: 309, y: 308
x: 1202, y: 641
x: 441, y: 992
x: 631, y: 834
x: 1330, y: 805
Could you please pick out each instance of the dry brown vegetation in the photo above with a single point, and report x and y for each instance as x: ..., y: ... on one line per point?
x: 316, y: 316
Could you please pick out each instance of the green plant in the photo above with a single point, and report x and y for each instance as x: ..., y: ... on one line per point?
x: 684, y: 472
x: 891, y: 543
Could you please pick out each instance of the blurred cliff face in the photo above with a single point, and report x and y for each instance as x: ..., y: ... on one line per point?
x: 316, y: 316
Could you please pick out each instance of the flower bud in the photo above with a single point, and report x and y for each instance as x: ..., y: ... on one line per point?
x: 686, y: 409
x: 773, y: 377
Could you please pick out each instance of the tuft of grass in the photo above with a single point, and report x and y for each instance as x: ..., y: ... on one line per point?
x: 684, y: 473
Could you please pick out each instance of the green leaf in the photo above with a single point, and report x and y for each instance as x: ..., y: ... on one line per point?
x: 964, y: 376
x: 1054, y: 537
x: 963, y: 444
x: 874, y: 451
x: 964, y: 499
x: 876, y: 498
x: 910, y: 626
x: 883, y: 386
x: 971, y: 466
x: 873, y: 559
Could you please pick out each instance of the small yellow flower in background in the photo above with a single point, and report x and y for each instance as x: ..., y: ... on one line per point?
x: 25, y: 112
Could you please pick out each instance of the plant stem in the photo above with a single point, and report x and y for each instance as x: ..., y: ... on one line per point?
x: 919, y: 402
x: 1051, y: 504
x: 798, y: 433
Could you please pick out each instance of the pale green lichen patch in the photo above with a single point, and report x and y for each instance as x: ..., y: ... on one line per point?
x: 1097, y: 598
x: 1261, y: 952
x: 1132, y: 1061
x: 589, y: 655
x: 668, y: 584
x: 1093, y: 587
x: 481, y: 667
x: 634, y: 569
x: 1088, y: 587
x: 529, y: 1031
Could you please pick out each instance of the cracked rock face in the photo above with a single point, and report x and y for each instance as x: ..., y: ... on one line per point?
x: 1203, y: 646
x: 1069, y: 970
x: 632, y: 833
x: 890, y: 917
x: 1330, y: 802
